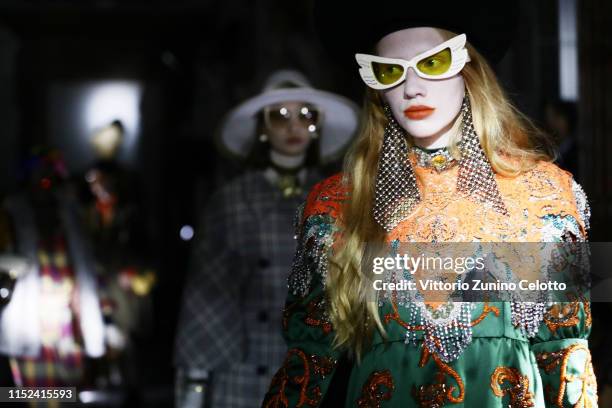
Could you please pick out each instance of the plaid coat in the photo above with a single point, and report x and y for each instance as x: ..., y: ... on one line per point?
x: 230, y: 323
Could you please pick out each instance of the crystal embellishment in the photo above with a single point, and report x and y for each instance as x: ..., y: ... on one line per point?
x: 440, y: 159
x: 397, y: 192
x: 476, y: 179
x: 396, y: 187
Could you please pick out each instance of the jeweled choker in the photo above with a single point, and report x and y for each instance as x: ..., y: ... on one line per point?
x: 440, y: 159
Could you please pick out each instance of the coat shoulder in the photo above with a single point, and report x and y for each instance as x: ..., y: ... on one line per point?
x: 327, y: 196
x: 548, y: 179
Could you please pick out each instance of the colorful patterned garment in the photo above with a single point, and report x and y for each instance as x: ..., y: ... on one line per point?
x: 60, y: 362
x: 499, y: 365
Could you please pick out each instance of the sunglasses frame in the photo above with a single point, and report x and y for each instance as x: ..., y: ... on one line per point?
x: 311, y: 107
x: 459, y: 57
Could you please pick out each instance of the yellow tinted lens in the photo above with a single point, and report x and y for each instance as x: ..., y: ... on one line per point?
x: 436, y: 64
x: 387, y: 73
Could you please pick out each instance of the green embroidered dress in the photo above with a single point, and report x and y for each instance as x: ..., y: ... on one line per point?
x: 497, y: 363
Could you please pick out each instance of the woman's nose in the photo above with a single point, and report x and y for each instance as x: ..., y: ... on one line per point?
x: 295, y: 123
x: 413, y: 86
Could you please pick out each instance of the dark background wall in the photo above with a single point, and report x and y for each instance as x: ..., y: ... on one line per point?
x: 595, y: 110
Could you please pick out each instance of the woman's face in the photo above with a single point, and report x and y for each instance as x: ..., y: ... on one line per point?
x: 425, y: 108
x: 289, y: 127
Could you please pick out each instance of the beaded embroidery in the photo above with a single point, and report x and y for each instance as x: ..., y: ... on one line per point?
x: 379, y: 387
x: 540, y: 194
x: 554, y: 361
x: 315, y: 227
x: 447, y: 328
x: 565, y: 314
x: 437, y: 394
x: 312, y: 365
x: 317, y: 315
x: 517, y: 389
x: 584, y: 210
x: 440, y: 159
x: 314, y: 242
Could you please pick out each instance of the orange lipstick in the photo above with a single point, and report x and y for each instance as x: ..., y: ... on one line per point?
x: 418, y: 112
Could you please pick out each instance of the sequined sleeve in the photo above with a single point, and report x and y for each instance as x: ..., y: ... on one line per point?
x: 561, y: 345
x: 311, y: 360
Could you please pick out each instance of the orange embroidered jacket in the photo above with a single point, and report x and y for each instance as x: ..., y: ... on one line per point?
x: 456, y: 354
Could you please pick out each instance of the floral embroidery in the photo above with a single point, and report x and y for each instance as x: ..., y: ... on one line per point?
x: 558, y: 360
x: 565, y: 314
x: 317, y: 316
x: 315, y: 230
x: 545, y: 205
x: 307, y: 396
x: 327, y: 197
x: 377, y: 388
x: 541, y: 184
x: 588, y: 320
x: 529, y: 197
x: 322, y: 366
x: 562, y: 315
x: 437, y: 394
x: 517, y: 389
x: 431, y: 395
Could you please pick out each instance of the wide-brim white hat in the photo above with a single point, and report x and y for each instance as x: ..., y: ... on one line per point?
x: 339, y: 121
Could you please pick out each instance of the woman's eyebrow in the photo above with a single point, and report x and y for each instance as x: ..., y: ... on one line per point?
x: 377, y: 53
x: 429, y: 49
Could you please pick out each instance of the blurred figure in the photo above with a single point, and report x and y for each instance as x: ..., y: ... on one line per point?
x: 112, y: 205
x: 12, y: 268
x: 53, y: 320
x: 560, y: 122
x: 107, y: 141
x: 114, y: 221
x: 229, y: 334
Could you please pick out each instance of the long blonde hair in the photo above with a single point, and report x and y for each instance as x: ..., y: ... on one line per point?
x: 509, y: 139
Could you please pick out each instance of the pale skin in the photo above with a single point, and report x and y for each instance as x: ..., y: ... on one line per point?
x: 434, y: 129
x: 445, y: 96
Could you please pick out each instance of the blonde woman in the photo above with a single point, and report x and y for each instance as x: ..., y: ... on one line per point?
x: 442, y: 156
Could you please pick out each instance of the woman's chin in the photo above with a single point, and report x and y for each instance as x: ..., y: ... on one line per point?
x: 422, y: 135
